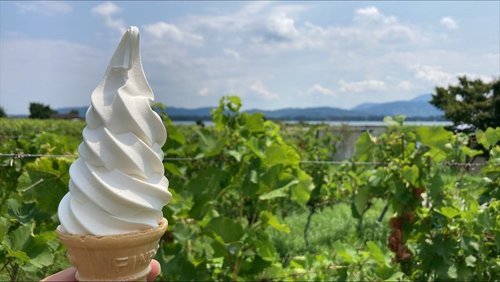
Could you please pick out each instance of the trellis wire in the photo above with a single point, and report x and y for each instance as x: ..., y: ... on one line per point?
x: 323, y: 162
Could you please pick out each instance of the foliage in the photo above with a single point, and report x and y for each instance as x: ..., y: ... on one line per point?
x: 472, y: 102
x: 247, y: 207
x: 233, y: 194
x: 40, y: 111
x: 2, y: 113
x: 435, y: 233
x: 30, y: 190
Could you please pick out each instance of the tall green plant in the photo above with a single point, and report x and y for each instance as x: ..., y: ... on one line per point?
x: 438, y: 225
x: 246, y: 173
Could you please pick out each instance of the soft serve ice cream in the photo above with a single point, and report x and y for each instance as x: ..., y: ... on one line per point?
x: 117, y: 185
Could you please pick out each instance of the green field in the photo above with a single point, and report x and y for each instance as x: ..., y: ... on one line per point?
x: 246, y: 205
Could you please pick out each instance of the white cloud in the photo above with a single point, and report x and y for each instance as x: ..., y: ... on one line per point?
x: 262, y: 90
x: 449, y: 23
x: 484, y: 78
x: 318, y: 89
x: 362, y: 86
x: 434, y: 74
x: 46, y: 8
x: 384, y: 29
x: 372, y: 14
x: 261, y: 49
x: 370, y: 29
x: 106, y: 11
x: 161, y: 30
x: 282, y: 26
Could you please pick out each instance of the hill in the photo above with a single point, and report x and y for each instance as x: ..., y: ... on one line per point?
x: 416, y: 109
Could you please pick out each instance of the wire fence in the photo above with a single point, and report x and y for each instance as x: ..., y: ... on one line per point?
x: 14, y: 156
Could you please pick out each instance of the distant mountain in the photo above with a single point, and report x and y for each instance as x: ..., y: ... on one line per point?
x: 174, y: 111
x: 423, y: 98
x: 179, y: 113
x: 416, y: 108
x: 364, y: 106
x: 319, y: 113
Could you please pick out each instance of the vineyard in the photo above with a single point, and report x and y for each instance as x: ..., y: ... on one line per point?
x: 257, y: 200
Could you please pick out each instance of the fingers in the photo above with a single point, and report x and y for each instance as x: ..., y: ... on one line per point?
x: 66, y: 275
x: 155, y: 270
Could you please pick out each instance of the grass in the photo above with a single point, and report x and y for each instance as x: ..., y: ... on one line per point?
x: 328, y: 226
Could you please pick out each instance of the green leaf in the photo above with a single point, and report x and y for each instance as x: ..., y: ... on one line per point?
x: 278, y: 193
x: 411, y: 174
x: 172, y: 169
x: 470, y: 261
x: 474, y: 245
x: 234, y: 103
x: 436, y: 188
x: 301, y: 192
x: 298, y: 262
x: 4, y: 227
x: 253, y: 145
x: 488, y: 138
x: 174, y: 135
x: 254, y: 177
x: 452, y: 272
x: 269, y: 218
x: 436, y: 138
x: 274, y: 178
x: 392, y: 122
x: 18, y: 238
x: 200, y: 208
x: 377, y: 177
x: 210, y: 144
x: 254, y: 122
x: 22, y: 245
x: 226, y: 228
x: 470, y: 152
x: 18, y: 254
x: 361, y: 199
x: 219, y: 249
x: 281, y: 154
x: 347, y: 254
x: 449, y: 212
x: 376, y: 253
x: 364, y: 146
x: 265, y: 249
x: 45, y: 179
x: 217, y: 115
x: 38, y: 250
x: 235, y: 154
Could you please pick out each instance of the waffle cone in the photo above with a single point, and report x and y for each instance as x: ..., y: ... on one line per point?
x: 123, y: 257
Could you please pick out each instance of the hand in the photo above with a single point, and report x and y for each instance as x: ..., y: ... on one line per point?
x: 69, y: 273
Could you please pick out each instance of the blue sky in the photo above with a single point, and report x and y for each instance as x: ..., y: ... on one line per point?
x: 272, y: 54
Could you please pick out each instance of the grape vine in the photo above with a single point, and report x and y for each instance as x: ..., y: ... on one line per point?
x: 239, y: 185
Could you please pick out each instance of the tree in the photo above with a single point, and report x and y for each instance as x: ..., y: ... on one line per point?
x: 471, y: 102
x: 38, y: 110
x: 2, y: 112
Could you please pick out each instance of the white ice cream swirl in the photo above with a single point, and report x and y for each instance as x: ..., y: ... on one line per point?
x: 118, y: 185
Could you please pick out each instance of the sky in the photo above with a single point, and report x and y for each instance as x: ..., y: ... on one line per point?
x: 272, y: 54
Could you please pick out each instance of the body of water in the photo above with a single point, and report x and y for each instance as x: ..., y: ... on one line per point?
x: 338, y: 123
